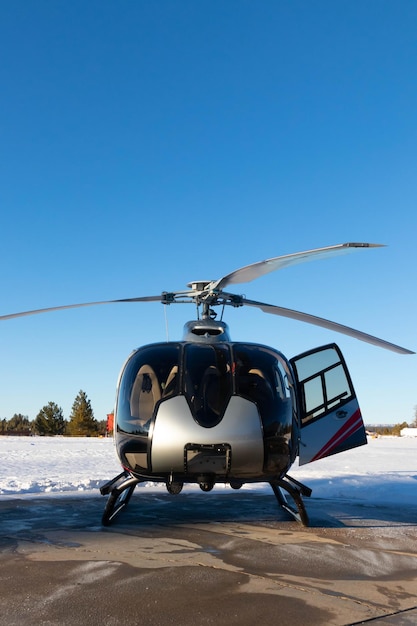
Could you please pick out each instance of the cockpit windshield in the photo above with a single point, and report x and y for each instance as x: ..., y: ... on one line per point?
x: 207, y: 375
x: 207, y: 381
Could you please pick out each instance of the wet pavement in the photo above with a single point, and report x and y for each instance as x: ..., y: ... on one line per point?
x: 217, y: 558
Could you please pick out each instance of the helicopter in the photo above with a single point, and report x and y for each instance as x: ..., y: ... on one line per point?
x: 208, y: 410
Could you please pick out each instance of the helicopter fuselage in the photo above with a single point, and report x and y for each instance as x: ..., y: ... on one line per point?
x: 206, y: 410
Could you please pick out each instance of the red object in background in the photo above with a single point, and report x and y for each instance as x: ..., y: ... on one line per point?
x: 110, y: 423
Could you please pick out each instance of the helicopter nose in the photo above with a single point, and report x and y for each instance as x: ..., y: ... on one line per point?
x: 182, y: 446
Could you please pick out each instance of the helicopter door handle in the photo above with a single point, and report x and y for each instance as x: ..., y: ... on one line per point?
x: 341, y: 414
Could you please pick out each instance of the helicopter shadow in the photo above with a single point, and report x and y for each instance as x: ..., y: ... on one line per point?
x: 249, y: 507
x: 195, y: 508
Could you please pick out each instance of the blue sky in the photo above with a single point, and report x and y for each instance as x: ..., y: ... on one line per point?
x: 147, y: 144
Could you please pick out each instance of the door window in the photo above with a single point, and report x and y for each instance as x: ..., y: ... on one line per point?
x: 323, y: 382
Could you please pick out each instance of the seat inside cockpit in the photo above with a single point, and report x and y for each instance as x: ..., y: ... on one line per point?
x: 146, y: 392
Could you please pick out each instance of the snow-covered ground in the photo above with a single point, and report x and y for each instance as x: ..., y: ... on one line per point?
x: 383, y: 471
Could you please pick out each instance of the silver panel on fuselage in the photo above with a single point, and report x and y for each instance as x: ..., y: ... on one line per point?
x: 240, y: 427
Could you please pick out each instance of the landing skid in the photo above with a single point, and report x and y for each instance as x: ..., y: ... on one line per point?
x: 119, y: 491
x: 296, y: 490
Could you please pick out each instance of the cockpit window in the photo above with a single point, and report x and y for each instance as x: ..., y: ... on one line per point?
x: 151, y: 375
x: 207, y: 382
x: 261, y: 378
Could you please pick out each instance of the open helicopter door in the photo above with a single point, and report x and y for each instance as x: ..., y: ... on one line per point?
x: 331, y: 420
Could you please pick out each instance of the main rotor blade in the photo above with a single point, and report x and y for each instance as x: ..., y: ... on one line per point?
x: 320, y: 321
x: 250, y: 272
x: 77, y: 306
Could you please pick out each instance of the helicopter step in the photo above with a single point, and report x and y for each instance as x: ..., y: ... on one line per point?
x: 296, y: 490
x: 119, y: 490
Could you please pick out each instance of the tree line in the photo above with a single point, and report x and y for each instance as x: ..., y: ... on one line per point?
x: 50, y: 421
x: 389, y: 430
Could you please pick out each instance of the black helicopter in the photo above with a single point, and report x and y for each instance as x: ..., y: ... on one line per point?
x: 208, y: 410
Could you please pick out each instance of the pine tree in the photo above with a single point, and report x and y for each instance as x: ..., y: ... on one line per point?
x: 82, y: 421
x: 18, y: 423
x: 50, y: 420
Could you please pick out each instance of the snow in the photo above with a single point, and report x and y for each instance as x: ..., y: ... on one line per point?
x: 384, y: 471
